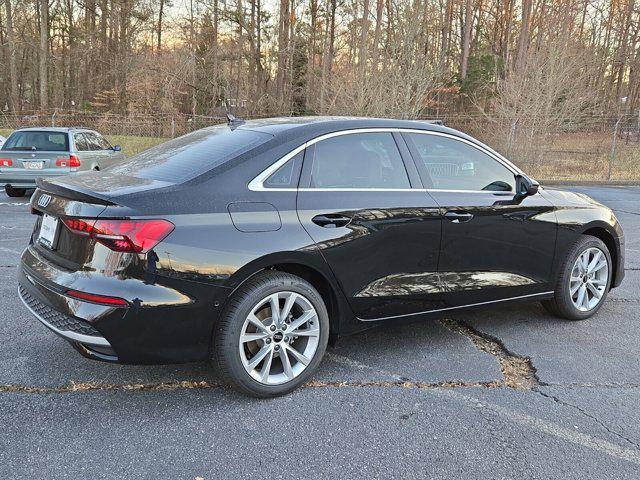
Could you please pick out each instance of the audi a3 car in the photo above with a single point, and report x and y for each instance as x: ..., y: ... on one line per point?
x: 252, y: 244
x: 30, y: 153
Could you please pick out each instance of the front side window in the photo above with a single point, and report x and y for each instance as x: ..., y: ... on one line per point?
x: 448, y: 164
x: 33, y: 140
x: 358, y: 160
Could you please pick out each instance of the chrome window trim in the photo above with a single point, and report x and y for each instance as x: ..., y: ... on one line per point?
x: 257, y: 184
x: 531, y: 295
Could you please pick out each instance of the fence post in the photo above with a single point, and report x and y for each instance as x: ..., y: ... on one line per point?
x: 173, y: 127
x: 53, y: 117
x: 614, y: 140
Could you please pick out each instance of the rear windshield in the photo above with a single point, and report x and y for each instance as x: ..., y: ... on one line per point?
x: 31, y: 140
x: 186, y: 157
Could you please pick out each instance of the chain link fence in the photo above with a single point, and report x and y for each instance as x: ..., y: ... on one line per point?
x: 587, y: 148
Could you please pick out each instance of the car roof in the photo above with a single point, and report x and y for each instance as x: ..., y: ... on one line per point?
x: 53, y: 129
x: 322, y: 124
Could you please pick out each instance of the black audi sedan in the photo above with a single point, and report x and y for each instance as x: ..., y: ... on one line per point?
x: 251, y: 244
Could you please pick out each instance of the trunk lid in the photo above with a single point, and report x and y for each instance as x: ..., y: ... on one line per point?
x: 82, y: 196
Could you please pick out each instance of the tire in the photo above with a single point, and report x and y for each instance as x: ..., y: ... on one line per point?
x: 270, y: 377
x: 15, y: 192
x: 572, y: 306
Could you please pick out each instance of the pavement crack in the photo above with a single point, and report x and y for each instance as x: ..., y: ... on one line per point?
x: 89, y: 386
x: 73, y: 387
x: 517, y: 371
x: 588, y: 415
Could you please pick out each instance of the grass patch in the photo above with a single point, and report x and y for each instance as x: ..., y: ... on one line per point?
x: 132, y: 145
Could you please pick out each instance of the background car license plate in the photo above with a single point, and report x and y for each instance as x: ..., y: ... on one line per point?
x: 33, y: 165
x: 48, y: 230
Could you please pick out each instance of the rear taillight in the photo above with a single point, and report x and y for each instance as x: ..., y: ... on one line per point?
x: 101, y: 299
x: 6, y: 162
x: 71, y: 162
x: 134, y: 236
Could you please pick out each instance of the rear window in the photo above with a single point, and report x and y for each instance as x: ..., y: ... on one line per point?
x: 186, y: 157
x: 31, y: 140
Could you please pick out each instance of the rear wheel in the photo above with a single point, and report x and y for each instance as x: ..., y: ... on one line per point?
x: 584, y: 280
x: 15, y: 192
x: 272, y: 335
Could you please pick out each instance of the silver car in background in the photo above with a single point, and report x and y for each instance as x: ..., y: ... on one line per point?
x: 30, y: 153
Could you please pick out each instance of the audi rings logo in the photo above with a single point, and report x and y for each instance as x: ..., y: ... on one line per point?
x: 44, y: 200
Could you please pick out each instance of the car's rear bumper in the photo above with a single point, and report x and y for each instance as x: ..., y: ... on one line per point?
x: 153, y: 329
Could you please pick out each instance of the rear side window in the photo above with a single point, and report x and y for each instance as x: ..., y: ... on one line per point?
x: 359, y: 160
x: 81, y: 142
x: 287, y: 175
x: 449, y: 164
x: 96, y: 142
x: 92, y: 141
x: 186, y: 157
x: 33, y: 140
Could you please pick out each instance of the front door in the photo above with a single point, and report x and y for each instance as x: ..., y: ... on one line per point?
x: 380, y: 236
x: 494, y: 247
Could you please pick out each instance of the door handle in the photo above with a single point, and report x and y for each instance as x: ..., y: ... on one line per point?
x: 455, y: 217
x: 331, y: 220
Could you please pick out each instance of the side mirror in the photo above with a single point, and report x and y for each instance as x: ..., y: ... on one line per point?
x: 117, y: 148
x: 525, y: 186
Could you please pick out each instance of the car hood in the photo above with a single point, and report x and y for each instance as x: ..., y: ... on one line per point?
x: 564, y: 197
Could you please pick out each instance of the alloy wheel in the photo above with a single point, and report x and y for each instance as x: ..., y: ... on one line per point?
x: 279, y: 338
x: 588, y: 280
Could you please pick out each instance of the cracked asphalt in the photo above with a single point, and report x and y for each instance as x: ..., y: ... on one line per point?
x: 503, y: 393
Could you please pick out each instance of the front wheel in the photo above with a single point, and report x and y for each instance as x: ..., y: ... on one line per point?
x: 15, y: 192
x: 272, y: 335
x: 584, y: 280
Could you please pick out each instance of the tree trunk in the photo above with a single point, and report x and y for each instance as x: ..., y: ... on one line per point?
x: 44, y: 54
x: 283, y: 46
x: 362, y: 46
x: 311, y: 57
x: 523, y: 39
x: 466, y: 39
x: 160, y: 13
x: 14, y: 98
x: 377, y: 33
x: 327, y: 58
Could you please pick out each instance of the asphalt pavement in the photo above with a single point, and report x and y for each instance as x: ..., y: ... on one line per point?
x: 503, y: 392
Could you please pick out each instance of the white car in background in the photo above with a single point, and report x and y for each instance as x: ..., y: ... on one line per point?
x: 2, y: 139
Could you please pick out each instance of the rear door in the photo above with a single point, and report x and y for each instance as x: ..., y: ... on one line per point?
x: 83, y: 151
x: 494, y: 246
x: 360, y: 201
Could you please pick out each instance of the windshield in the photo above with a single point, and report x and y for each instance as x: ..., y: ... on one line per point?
x: 186, y: 157
x: 32, y: 140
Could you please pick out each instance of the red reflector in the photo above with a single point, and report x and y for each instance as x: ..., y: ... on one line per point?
x: 90, y: 297
x: 72, y: 162
x: 6, y: 162
x: 134, y: 236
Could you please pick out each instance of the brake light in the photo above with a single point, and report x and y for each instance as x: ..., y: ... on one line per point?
x: 6, y: 162
x: 71, y: 162
x: 102, y: 299
x: 133, y: 236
